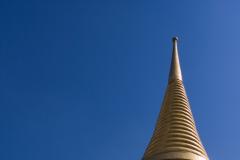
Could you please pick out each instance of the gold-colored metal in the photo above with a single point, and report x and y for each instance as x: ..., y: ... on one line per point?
x: 175, y: 70
x: 175, y: 136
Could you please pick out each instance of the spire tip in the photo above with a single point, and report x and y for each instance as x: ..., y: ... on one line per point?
x: 175, y: 39
x: 175, y: 70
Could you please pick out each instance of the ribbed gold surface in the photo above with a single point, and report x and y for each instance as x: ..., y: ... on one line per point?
x: 175, y: 135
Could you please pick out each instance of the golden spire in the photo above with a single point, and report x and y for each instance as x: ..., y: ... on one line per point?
x: 175, y: 71
x: 175, y: 135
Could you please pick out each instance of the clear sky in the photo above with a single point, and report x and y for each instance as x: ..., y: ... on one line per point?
x: 84, y: 80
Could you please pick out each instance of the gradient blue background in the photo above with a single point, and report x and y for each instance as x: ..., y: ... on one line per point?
x: 84, y: 80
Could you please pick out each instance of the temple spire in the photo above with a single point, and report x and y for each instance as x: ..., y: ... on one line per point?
x: 175, y: 136
x: 175, y: 70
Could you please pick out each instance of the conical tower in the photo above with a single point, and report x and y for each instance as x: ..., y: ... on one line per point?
x: 175, y: 136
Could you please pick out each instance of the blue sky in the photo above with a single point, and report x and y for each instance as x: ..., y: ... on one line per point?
x: 84, y: 80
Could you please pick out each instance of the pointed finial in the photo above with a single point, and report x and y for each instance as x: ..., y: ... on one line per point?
x: 175, y: 70
x: 175, y: 39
